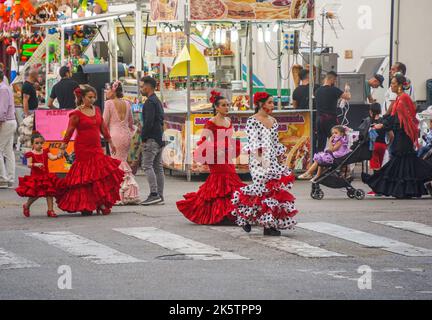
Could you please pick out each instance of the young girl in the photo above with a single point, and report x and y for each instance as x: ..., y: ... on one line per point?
x: 40, y: 183
x: 338, y: 149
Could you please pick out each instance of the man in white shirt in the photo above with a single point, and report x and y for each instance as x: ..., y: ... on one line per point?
x: 390, y: 96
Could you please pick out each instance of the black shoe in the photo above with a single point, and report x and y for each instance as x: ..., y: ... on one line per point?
x: 163, y: 200
x: 152, y: 200
x: 272, y: 232
x: 86, y: 213
x: 227, y: 222
x: 247, y: 228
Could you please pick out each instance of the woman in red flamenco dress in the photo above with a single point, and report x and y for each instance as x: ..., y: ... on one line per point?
x: 40, y: 183
x: 212, y: 203
x: 94, y: 180
x: 267, y: 201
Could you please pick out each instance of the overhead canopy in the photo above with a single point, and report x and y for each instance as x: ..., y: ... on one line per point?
x: 198, y: 63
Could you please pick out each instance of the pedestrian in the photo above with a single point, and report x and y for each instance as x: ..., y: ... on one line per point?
x: 212, y: 203
x: 337, y: 149
x: 118, y: 118
x: 373, y: 83
x: 40, y: 183
x: 2, y: 68
x: 152, y: 140
x: 63, y: 90
x: 380, y: 144
x: 267, y: 201
x: 8, y: 126
x: 390, y: 96
x: 301, y: 93
x: 405, y: 174
x: 94, y: 180
x: 28, y: 93
x: 327, y: 98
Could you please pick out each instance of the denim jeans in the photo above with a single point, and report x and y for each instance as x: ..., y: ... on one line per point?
x: 152, y: 166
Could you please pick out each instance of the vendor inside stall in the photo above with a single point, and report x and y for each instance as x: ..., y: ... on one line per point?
x: 63, y: 90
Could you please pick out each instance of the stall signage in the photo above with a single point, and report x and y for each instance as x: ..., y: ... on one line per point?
x: 250, y: 10
x: 52, y: 124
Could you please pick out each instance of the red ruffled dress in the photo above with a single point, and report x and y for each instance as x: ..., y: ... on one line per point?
x: 40, y: 183
x: 94, y: 179
x: 267, y: 201
x: 212, y: 202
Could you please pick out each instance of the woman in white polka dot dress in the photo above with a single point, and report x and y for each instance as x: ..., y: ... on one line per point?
x: 267, y: 201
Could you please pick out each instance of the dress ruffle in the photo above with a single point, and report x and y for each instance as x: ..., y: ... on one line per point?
x: 402, y: 177
x: 129, y: 191
x: 212, y: 202
x: 271, y: 207
x: 38, y: 186
x: 91, y: 184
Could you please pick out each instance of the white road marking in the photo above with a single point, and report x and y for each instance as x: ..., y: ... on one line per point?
x: 83, y: 248
x: 282, y: 243
x: 367, y: 239
x: 408, y: 226
x: 190, y: 248
x: 9, y: 260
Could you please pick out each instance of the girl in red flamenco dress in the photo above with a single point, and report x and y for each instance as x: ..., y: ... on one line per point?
x: 94, y: 180
x: 211, y: 204
x: 40, y: 183
x: 267, y: 201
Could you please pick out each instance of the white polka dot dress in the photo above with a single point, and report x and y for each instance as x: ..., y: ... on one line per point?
x: 267, y: 201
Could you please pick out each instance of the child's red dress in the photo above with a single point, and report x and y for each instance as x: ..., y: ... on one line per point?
x: 40, y: 183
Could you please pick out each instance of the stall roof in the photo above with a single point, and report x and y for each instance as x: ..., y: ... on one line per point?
x: 85, y: 20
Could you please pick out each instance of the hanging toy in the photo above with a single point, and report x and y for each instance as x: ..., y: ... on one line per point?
x: 23, y: 9
x: 11, y: 50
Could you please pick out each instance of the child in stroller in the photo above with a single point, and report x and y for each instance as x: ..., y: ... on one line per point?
x: 332, y: 176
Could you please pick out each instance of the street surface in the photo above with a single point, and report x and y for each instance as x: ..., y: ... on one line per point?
x: 155, y: 253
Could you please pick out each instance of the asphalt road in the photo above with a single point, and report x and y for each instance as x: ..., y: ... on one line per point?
x: 155, y: 253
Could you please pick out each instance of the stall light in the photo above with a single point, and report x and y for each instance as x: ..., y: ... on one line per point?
x: 234, y: 35
x: 260, y: 34
x: 200, y: 27
x: 276, y: 27
x: 206, y: 32
x: 218, y: 36
x: 223, y: 36
x: 267, y: 34
x: 72, y: 24
x: 167, y: 29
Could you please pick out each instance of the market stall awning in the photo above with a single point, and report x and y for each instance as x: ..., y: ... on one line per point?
x: 198, y: 63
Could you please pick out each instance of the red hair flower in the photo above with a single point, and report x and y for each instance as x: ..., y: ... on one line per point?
x: 214, y: 94
x: 78, y: 92
x: 260, y: 96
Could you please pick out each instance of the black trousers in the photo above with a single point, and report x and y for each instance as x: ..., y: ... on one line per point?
x: 325, y: 122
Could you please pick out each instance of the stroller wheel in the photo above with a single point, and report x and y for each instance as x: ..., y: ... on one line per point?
x: 360, y: 194
x: 351, y: 193
x: 317, y: 194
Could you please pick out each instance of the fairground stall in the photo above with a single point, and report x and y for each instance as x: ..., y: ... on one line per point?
x: 210, y: 45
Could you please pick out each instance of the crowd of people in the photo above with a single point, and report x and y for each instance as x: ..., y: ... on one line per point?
x: 97, y: 181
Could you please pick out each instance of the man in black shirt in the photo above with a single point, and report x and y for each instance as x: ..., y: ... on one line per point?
x: 327, y: 98
x: 301, y: 93
x: 152, y: 134
x: 28, y: 93
x: 63, y: 90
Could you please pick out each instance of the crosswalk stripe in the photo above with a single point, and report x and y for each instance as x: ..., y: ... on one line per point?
x: 408, y: 226
x: 83, y: 248
x: 9, y: 260
x: 286, y: 244
x: 190, y: 248
x: 367, y: 239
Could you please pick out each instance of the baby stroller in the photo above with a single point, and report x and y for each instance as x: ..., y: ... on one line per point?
x: 333, y: 176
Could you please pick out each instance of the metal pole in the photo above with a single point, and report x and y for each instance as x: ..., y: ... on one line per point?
x: 250, y: 65
x: 138, y: 56
x: 311, y: 85
x: 279, y: 67
x: 188, y: 95
x: 323, y: 14
x: 62, y: 43
x: 47, y: 66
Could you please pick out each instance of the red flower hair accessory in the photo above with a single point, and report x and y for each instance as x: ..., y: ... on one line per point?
x: 260, y: 96
x: 78, y: 92
x: 214, y: 94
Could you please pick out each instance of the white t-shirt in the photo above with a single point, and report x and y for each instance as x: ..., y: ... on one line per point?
x: 390, y: 97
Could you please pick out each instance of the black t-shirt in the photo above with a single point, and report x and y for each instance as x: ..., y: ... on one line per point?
x: 326, y: 99
x: 63, y: 91
x: 29, y: 89
x: 301, y: 95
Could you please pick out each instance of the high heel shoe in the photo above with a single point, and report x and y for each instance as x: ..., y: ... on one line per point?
x: 51, y: 214
x: 104, y: 211
x: 26, y: 211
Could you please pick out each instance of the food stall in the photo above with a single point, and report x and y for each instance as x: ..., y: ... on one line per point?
x: 223, y: 32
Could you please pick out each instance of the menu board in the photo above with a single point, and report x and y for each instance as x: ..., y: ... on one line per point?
x: 245, y: 10
x: 165, y: 10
